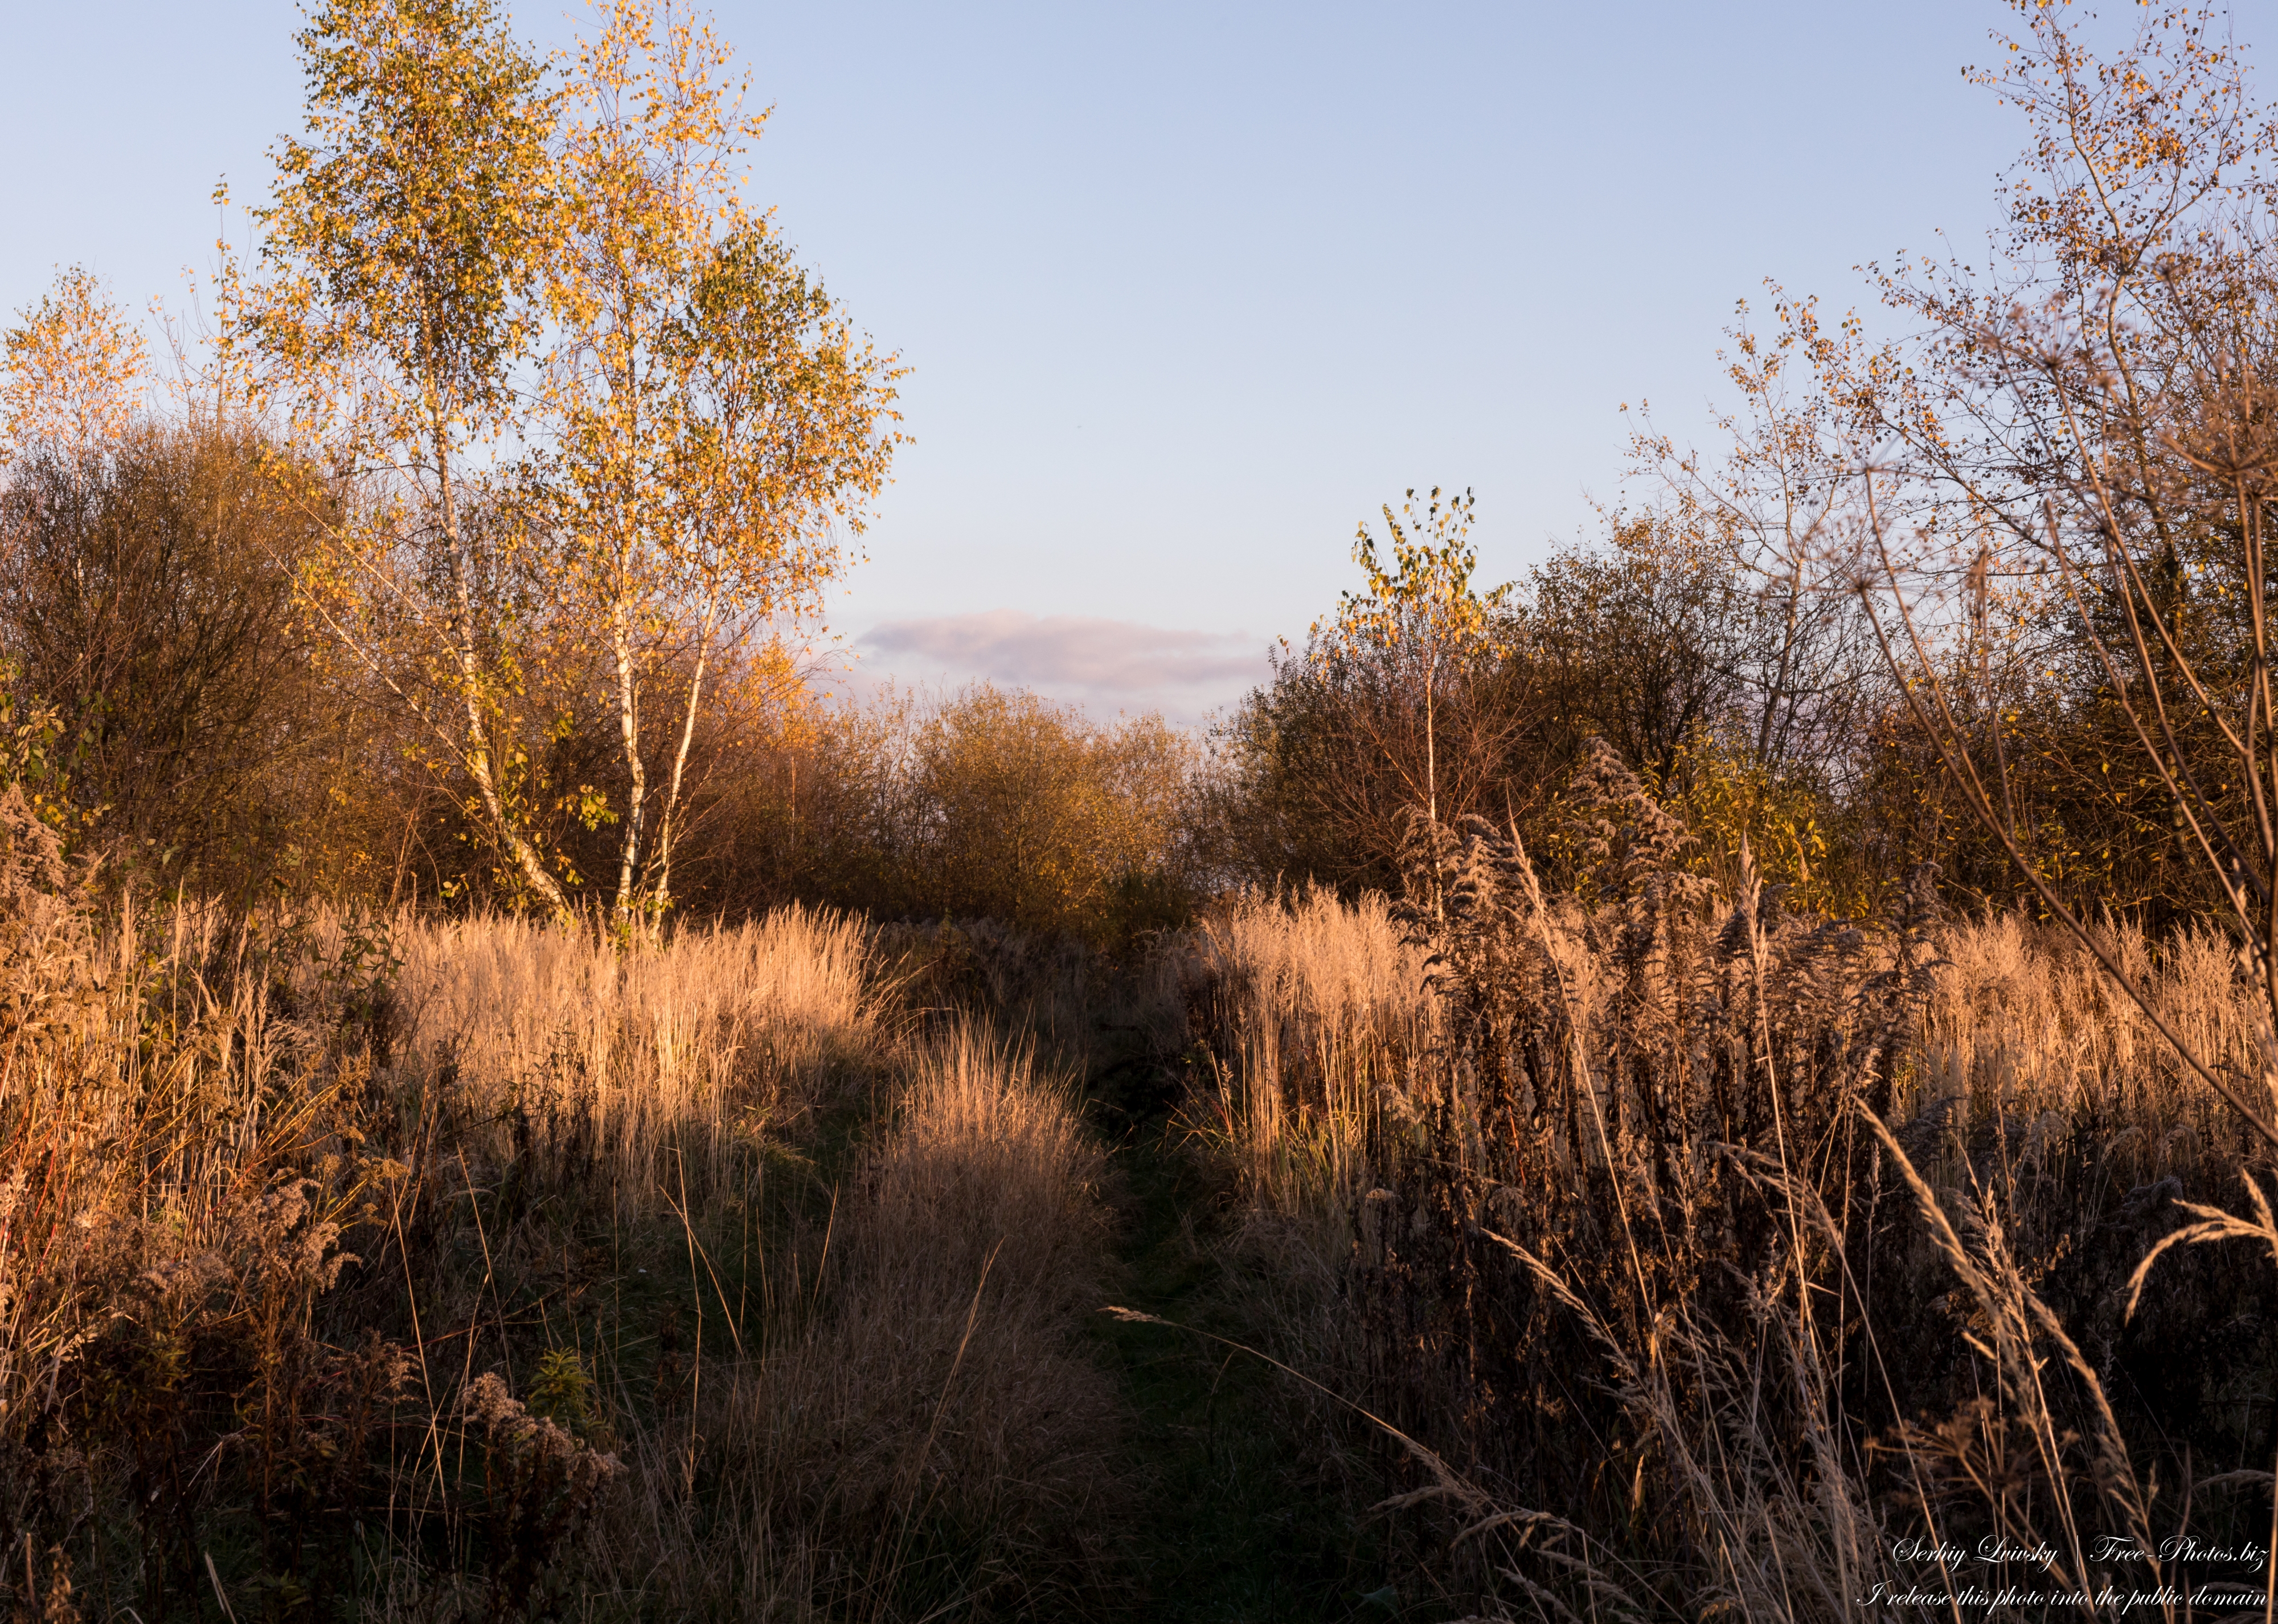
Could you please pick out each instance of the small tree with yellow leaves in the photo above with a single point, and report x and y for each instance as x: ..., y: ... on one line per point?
x: 75, y: 369
x: 402, y: 254
x: 1421, y: 615
x: 713, y: 415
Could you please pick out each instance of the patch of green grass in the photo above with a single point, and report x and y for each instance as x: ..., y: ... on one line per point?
x: 1244, y: 1519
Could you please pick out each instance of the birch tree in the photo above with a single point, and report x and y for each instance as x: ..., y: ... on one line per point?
x: 393, y: 308
x: 716, y: 421
x: 72, y: 371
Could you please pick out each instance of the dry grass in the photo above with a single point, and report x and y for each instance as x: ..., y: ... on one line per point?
x: 917, y: 1424
x: 1703, y: 1249
x: 717, y: 1034
x: 950, y: 1391
x: 1312, y: 1012
x: 1712, y: 1249
x: 2022, y: 1024
x: 471, y: 1267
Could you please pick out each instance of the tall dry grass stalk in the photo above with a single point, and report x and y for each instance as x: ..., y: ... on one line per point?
x: 1718, y: 1251
x: 444, y: 1269
x: 1310, y: 1012
x: 678, y: 1047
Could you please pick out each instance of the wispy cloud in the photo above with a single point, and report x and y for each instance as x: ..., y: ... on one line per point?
x: 1106, y: 665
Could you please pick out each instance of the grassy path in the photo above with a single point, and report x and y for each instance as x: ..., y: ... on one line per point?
x: 1235, y: 1528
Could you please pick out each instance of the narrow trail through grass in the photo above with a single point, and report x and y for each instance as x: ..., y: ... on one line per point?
x: 1237, y: 1525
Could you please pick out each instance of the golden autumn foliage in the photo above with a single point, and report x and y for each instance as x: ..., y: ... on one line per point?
x: 401, y: 256
x: 988, y: 803
x: 74, y: 372
x: 712, y: 417
x: 1422, y: 613
x: 593, y: 417
x: 1027, y: 811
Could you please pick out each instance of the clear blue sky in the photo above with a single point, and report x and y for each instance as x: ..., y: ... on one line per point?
x: 1187, y: 290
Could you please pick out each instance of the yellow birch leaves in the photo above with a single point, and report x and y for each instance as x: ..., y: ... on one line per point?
x: 599, y: 425
x: 1420, y: 619
x: 409, y: 229
x: 76, y: 368
x: 409, y: 232
x: 711, y: 415
x: 1426, y: 596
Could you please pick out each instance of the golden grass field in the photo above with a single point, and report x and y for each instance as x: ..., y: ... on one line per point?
x: 407, y: 1267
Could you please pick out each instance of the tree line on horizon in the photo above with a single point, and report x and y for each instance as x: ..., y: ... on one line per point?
x: 473, y: 564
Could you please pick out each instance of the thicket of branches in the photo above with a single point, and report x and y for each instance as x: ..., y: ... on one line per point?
x: 1990, y: 593
x: 284, y: 636
x: 294, y: 633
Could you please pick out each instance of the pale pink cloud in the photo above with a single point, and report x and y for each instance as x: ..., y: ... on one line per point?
x: 1112, y: 665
